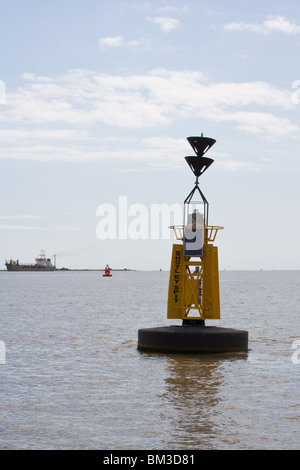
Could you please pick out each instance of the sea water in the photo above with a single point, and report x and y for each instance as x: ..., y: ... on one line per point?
x: 72, y: 377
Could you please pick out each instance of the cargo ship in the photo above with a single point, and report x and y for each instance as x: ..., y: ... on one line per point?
x: 41, y: 264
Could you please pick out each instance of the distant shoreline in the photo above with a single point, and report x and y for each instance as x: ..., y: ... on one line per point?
x: 67, y: 269
x: 96, y: 269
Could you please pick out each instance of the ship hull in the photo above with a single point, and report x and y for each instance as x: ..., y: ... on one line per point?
x: 24, y: 267
x: 41, y: 264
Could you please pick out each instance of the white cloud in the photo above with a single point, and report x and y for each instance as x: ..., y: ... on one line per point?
x: 20, y: 227
x: 166, y: 24
x: 83, y: 97
x: 119, y: 41
x: 60, y: 228
x: 173, y: 9
x: 2, y: 92
x: 48, y: 223
x: 277, y: 23
x: 20, y: 217
x: 265, y: 123
x: 36, y: 134
x: 115, y: 41
x: 235, y: 165
x: 57, y: 118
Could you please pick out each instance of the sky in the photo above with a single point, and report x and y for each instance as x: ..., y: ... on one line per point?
x: 97, y: 100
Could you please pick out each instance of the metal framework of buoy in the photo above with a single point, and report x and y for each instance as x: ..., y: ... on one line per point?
x: 193, y: 294
x: 194, y: 275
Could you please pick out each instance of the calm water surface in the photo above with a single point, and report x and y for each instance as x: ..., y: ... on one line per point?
x: 74, y: 379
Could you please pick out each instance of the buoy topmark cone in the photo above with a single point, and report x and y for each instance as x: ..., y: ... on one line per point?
x: 194, y: 278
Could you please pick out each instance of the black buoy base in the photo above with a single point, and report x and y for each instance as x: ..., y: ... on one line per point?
x: 193, y: 322
x: 192, y: 338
